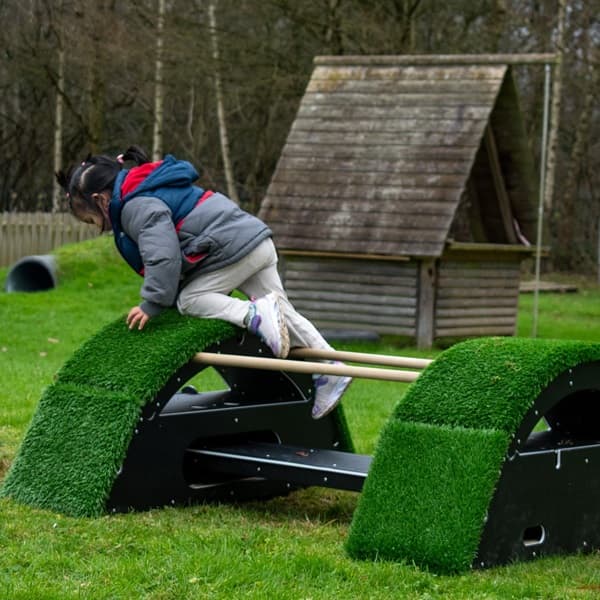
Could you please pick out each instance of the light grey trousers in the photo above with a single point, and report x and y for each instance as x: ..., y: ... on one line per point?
x: 255, y: 275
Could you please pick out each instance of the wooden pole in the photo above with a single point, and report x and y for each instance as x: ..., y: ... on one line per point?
x: 361, y: 357
x: 542, y: 193
x: 300, y: 366
x: 439, y: 59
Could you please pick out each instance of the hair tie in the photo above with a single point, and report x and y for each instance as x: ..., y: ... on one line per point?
x: 120, y: 159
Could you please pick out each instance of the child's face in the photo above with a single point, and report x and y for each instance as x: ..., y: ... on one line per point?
x: 84, y: 212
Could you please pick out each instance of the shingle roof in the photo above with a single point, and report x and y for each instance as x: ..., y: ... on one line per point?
x: 379, y: 155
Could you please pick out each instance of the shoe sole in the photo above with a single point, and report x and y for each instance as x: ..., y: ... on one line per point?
x: 335, y: 404
x: 284, y: 333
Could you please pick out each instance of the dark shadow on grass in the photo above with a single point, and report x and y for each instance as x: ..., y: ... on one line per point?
x: 319, y: 505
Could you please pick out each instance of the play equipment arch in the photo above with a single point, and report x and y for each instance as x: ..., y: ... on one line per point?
x: 459, y: 478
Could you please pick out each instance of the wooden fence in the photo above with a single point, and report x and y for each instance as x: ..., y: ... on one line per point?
x: 23, y: 234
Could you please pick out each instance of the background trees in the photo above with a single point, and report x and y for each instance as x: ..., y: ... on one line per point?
x: 107, y: 54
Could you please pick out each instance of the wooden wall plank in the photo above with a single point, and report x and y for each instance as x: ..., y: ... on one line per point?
x: 351, y: 267
x: 349, y: 178
x: 475, y: 331
x: 363, y: 222
x: 311, y: 280
x: 370, y: 246
x: 413, y: 100
x: 375, y: 235
x: 337, y: 110
x: 398, y: 328
x: 440, y: 87
x: 483, y: 302
x: 399, y: 150
x: 472, y: 321
x: 339, y: 303
x: 365, y: 165
x: 310, y: 192
x: 475, y: 312
x: 458, y: 137
x: 465, y: 293
x: 409, y: 203
x: 383, y: 124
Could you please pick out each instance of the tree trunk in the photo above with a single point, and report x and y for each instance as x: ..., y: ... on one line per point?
x: 214, y: 38
x: 555, y: 107
x: 498, y: 25
x: 57, y: 192
x: 159, y: 88
x: 568, y: 251
x: 333, y: 31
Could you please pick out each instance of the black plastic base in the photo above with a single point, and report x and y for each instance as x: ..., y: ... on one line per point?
x: 258, y: 406
x: 548, y: 495
x: 291, y: 464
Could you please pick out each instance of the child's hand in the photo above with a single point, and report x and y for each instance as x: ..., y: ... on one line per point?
x: 137, y: 317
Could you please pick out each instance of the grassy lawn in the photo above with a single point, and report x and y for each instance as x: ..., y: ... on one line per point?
x: 285, y: 548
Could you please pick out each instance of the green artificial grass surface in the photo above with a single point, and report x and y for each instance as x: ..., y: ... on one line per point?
x: 80, y: 432
x: 426, y: 486
x: 489, y: 383
x: 439, y: 458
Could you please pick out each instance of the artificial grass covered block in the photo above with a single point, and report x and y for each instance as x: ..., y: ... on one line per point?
x: 73, y: 449
x: 426, y: 495
x: 80, y: 432
x: 489, y: 383
x: 439, y: 459
x: 141, y: 362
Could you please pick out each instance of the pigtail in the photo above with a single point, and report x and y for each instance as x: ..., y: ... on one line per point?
x: 63, y: 178
x: 135, y: 154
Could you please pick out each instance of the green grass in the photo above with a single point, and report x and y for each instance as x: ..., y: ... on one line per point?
x: 286, y: 548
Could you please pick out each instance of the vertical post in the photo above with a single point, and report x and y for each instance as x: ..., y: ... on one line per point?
x: 538, y: 244
x: 598, y: 259
x: 426, y: 303
x: 57, y: 192
x: 223, y: 135
x: 159, y: 88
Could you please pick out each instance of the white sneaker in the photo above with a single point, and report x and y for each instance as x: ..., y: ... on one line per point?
x: 329, y: 392
x: 265, y: 319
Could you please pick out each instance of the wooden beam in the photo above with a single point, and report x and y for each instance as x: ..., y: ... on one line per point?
x: 440, y: 59
x: 300, y: 366
x: 492, y: 249
x: 504, y: 205
x: 353, y: 255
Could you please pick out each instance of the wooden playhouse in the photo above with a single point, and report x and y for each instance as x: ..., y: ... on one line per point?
x: 405, y: 197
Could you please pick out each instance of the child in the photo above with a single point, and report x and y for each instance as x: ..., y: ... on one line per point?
x: 193, y: 247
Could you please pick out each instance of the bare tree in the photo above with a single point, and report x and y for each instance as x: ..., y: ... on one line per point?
x: 223, y: 135
x: 58, y: 128
x: 567, y: 209
x: 555, y: 105
x: 159, y: 88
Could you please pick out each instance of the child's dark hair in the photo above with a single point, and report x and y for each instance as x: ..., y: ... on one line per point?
x: 96, y: 174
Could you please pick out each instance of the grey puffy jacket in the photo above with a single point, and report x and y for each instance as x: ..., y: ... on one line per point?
x: 215, y: 234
